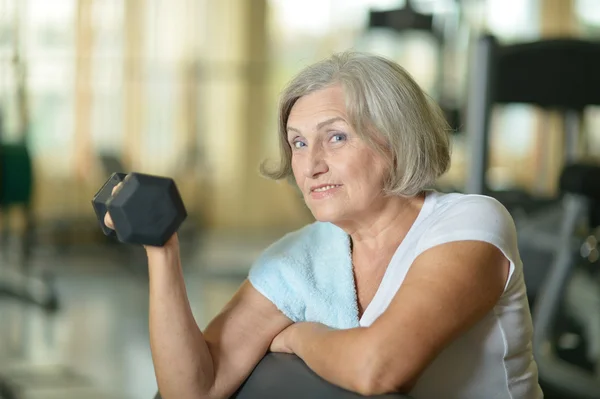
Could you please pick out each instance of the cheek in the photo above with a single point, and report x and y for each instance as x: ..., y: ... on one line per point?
x: 372, y: 174
x: 296, y: 168
x: 294, y: 163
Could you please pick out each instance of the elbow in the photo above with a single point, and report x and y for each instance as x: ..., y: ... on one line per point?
x: 381, y: 379
x: 160, y: 395
x: 373, y: 386
x: 380, y: 386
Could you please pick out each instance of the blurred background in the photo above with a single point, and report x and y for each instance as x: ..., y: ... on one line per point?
x: 188, y: 89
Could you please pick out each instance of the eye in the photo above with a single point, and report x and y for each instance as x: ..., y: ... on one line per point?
x: 338, y: 137
x: 298, y: 144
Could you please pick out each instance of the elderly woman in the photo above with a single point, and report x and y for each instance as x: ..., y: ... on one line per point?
x: 394, y: 288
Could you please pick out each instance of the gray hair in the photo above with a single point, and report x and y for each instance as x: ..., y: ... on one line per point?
x: 383, y: 102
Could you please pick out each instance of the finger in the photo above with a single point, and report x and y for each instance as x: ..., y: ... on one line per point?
x: 108, y: 221
x: 116, y: 188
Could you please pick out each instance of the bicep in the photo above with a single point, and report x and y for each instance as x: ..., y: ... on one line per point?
x: 447, y: 290
x: 240, y: 335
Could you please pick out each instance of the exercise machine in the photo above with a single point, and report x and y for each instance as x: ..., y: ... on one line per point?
x: 553, y: 74
x: 559, y: 75
x: 442, y: 29
x: 16, y: 185
x: 570, y: 294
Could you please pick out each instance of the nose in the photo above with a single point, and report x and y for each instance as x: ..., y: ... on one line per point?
x: 315, y: 163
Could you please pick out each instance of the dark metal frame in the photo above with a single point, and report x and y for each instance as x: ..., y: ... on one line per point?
x: 552, y: 370
x: 555, y: 74
x: 560, y: 74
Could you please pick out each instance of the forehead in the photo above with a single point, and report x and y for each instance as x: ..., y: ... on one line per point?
x: 329, y: 101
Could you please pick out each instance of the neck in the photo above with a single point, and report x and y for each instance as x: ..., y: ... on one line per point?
x: 386, y: 226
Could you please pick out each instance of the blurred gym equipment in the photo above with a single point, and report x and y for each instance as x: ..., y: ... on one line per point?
x: 405, y: 18
x: 561, y: 75
x: 443, y: 29
x: 280, y: 375
x: 553, y: 74
x: 16, y: 184
x: 568, y: 305
x: 6, y: 391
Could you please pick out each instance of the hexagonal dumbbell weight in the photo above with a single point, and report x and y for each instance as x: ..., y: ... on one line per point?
x: 146, y: 209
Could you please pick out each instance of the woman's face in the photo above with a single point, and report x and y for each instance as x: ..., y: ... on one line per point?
x: 340, y: 175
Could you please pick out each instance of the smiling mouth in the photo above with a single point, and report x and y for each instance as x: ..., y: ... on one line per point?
x: 325, y: 188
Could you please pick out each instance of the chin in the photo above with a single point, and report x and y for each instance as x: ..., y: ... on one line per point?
x: 322, y: 214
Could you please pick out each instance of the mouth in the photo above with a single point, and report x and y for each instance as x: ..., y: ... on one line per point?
x: 324, y: 188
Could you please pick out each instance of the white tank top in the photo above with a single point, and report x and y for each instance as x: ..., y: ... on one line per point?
x: 494, y: 359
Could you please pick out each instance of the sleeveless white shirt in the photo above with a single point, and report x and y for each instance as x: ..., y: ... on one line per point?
x: 494, y: 359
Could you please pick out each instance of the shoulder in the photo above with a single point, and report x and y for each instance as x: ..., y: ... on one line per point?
x: 458, y: 217
x: 470, y: 211
x: 470, y: 208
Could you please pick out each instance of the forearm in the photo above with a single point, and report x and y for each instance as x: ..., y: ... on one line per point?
x: 182, y: 361
x: 338, y: 356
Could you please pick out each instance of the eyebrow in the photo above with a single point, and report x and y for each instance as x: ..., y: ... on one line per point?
x: 321, y: 124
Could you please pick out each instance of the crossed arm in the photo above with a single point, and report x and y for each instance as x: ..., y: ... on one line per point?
x: 446, y: 291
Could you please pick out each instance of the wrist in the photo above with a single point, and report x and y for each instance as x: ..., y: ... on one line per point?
x: 292, y: 338
x: 168, y: 251
x: 304, y: 332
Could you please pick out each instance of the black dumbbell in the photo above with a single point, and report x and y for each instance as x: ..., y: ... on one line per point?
x: 146, y: 209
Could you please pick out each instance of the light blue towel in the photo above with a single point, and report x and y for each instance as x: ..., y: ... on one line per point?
x: 308, y: 275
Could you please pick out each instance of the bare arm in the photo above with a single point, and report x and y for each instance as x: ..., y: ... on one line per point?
x: 447, y: 290
x: 213, y: 364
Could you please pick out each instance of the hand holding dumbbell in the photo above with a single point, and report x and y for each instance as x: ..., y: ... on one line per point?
x: 144, y: 209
